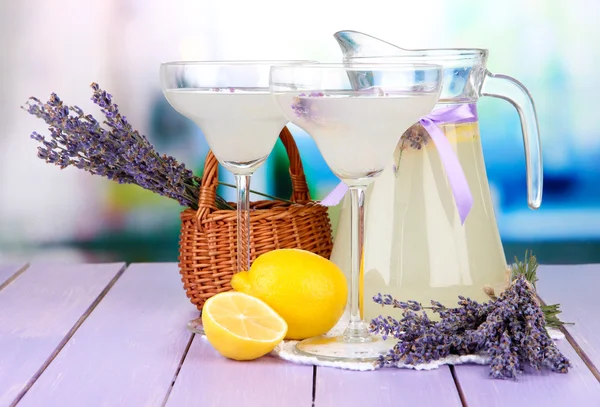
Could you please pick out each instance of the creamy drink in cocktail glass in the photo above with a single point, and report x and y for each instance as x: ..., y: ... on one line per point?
x: 231, y: 102
x: 356, y: 113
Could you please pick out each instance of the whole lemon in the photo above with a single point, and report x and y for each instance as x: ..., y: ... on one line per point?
x: 308, y: 291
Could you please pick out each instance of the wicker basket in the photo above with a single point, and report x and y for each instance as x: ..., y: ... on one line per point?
x: 208, y: 239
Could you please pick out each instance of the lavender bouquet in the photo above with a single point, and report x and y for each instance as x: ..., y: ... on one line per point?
x: 117, y: 151
x: 510, y: 329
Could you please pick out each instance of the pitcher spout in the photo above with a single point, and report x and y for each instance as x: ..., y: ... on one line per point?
x: 356, y: 44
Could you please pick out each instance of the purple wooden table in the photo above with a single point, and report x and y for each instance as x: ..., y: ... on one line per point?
x: 114, y: 335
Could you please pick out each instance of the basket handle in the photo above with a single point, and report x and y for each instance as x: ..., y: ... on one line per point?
x: 210, y: 178
x: 300, y: 191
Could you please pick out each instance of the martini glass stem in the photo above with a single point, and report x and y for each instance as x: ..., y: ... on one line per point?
x: 243, y: 222
x: 357, y: 330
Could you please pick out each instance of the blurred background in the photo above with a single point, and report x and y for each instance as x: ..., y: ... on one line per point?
x: 63, y: 45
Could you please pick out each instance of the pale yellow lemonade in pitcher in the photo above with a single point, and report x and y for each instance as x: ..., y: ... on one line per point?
x: 421, y: 252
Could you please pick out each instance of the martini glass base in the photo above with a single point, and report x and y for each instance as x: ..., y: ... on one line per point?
x: 337, y: 349
x: 195, y: 326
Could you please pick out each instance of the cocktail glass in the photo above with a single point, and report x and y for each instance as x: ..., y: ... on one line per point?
x: 231, y: 102
x: 356, y: 113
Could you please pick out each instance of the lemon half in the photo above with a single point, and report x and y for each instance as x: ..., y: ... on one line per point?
x: 241, y: 327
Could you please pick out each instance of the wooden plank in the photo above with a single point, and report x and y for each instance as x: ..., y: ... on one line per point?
x: 128, y: 350
x: 575, y: 288
x: 8, y: 272
x: 207, y: 379
x: 386, y: 387
x: 577, y: 388
x: 39, y: 311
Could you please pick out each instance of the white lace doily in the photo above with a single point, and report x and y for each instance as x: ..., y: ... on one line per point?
x: 286, y: 350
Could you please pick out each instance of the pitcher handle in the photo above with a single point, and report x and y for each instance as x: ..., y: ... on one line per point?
x: 513, y: 91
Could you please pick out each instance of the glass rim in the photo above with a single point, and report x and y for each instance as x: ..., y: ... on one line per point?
x: 455, y: 54
x: 361, y: 66
x: 234, y: 62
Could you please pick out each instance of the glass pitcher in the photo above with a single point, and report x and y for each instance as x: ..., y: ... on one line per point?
x: 416, y: 247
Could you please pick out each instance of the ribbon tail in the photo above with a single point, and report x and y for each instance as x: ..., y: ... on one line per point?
x: 456, y: 176
x: 335, y: 196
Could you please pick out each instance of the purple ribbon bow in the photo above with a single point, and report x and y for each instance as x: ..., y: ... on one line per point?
x: 463, y: 113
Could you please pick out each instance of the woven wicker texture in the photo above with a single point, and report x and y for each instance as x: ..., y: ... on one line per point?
x: 208, y: 238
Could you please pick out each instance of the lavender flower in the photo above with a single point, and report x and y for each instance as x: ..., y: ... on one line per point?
x: 117, y: 152
x: 302, y: 108
x: 528, y: 269
x: 415, y: 137
x: 230, y: 90
x: 510, y: 330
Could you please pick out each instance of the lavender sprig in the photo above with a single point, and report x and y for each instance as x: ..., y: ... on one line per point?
x: 416, y: 137
x: 117, y: 152
x: 302, y: 107
x: 510, y: 330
